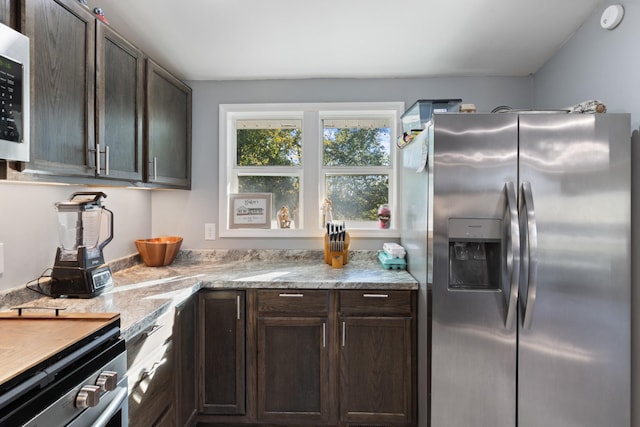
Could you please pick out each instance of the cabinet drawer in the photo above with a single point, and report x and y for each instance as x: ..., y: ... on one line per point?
x: 293, y: 302
x: 151, y: 386
x: 149, y: 340
x: 375, y: 302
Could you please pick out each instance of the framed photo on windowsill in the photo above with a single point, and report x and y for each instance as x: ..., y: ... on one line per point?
x: 250, y: 210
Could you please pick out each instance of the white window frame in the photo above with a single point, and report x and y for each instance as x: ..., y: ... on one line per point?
x: 312, y: 172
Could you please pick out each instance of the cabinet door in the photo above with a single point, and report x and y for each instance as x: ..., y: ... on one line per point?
x: 119, y: 104
x: 375, y: 370
x: 292, y: 369
x: 62, y: 35
x: 6, y: 14
x: 222, y: 348
x: 168, y: 128
x: 185, y: 337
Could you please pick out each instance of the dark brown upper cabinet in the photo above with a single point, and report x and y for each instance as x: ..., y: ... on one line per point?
x: 168, y: 129
x: 62, y: 35
x: 96, y: 117
x: 119, y: 106
x: 6, y: 13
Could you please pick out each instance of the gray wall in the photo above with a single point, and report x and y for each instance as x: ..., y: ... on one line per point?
x: 604, y: 65
x: 187, y: 212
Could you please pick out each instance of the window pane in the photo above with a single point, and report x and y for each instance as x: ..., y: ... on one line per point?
x: 269, y: 142
x: 285, y: 192
x: 356, y: 143
x: 357, y: 197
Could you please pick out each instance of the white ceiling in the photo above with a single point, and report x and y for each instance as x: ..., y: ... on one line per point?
x: 273, y: 39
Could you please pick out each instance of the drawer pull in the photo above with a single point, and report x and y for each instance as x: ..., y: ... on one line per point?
x: 238, y: 307
x: 344, y: 333
x: 146, y: 373
x: 375, y: 295
x: 291, y: 295
x: 153, y: 330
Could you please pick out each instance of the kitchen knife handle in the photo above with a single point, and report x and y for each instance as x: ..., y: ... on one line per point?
x: 512, y: 265
x: 529, y: 279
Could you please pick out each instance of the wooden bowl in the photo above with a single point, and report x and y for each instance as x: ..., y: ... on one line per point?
x: 159, y: 251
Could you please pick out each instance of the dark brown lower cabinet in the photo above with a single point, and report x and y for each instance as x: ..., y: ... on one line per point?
x: 222, y: 352
x: 292, y: 356
x: 375, y: 369
x: 292, y: 369
x: 186, y: 378
x: 377, y: 358
x: 315, y: 358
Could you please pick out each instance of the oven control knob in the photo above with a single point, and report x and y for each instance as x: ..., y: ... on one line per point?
x: 88, y: 397
x: 107, y: 380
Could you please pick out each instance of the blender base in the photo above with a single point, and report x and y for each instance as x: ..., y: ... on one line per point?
x: 74, y: 282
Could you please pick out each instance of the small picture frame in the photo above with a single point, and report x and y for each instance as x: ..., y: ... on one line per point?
x: 250, y: 210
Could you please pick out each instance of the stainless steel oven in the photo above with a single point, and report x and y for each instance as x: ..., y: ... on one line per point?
x: 83, y: 385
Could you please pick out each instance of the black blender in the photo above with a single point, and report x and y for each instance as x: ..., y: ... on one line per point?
x: 79, y: 270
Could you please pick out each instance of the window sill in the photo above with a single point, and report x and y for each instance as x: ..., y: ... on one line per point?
x: 291, y: 233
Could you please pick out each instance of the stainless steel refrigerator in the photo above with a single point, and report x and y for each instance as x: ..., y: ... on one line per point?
x: 518, y: 228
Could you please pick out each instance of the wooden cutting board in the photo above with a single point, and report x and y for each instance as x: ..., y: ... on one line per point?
x: 30, y: 339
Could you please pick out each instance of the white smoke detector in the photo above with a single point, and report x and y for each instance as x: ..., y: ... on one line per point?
x: 611, y: 17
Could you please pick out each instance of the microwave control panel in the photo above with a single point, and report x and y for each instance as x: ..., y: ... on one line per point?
x: 11, y: 75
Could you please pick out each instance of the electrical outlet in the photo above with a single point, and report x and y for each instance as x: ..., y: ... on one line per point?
x: 210, y: 231
x: 1, y: 258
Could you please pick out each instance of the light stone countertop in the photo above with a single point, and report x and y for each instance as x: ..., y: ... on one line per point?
x: 141, y: 294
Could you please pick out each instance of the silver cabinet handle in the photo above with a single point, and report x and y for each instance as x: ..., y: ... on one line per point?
x: 238, y: 307
x: 145, y: 373
x: 512, y: 240
x: 106, y: 160
x: 324, y: 334
x: 529, y: 273
x: 291, y: 295
x: 375, y: 295
x: 153, y: 330
x: 97, y: 158
x: 344, y: 333
x: 154, y: 168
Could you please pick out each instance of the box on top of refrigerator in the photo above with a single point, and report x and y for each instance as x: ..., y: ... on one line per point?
x: 417, y: 116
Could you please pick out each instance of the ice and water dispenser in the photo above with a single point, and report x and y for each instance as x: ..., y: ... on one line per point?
x: 475, y: 249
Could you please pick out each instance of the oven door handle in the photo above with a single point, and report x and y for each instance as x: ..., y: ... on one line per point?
x: 112, y: 408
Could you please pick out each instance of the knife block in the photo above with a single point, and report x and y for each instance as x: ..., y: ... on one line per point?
x: 336, y: 259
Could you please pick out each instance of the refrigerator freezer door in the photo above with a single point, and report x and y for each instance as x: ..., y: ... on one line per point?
x: 574, y: 347
x: 474, y: 349
x: 415, y: 229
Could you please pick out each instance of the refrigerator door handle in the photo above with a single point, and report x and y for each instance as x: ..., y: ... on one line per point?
x: 512, y: 253
x: 529, y: 279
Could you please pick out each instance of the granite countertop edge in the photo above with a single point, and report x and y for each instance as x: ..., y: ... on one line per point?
x: 142, y: 294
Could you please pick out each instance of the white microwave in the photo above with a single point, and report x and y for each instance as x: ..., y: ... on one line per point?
x: 14, y: 95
